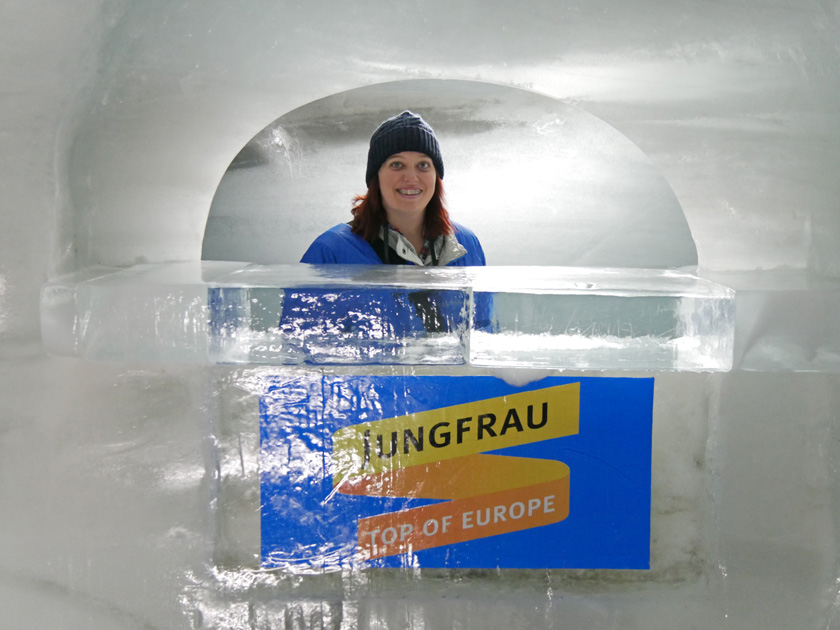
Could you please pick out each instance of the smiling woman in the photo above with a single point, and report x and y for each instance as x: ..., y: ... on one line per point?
x: 402, y: 218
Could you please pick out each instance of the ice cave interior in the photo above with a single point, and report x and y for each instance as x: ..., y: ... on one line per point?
x: 633, y: 169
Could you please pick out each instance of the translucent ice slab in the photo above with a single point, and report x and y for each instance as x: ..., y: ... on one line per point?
x: 142, y: 313
x: 602, y: 319
x: 354, y: 314
x: 786, y: 321
x: 546, y: 317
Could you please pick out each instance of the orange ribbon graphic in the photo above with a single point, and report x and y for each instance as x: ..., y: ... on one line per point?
x: 439, y: 454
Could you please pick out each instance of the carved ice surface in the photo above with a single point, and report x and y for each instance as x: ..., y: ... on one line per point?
x: 602, y: 319
x: 145, y: 312
x: 543, y: 317
x: 357, y: 314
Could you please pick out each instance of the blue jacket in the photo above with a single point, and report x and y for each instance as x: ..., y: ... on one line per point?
x: 340, y: 246
x: 370, y: 325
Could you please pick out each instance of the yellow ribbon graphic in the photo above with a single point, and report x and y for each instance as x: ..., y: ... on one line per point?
x: 438, y: 454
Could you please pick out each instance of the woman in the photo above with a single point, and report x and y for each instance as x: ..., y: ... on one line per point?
x: 403, y: 207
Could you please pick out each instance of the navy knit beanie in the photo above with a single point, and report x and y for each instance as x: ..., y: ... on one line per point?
x: 406, y: 132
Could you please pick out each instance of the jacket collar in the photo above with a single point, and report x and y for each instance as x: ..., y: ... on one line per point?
x: 447, y: 248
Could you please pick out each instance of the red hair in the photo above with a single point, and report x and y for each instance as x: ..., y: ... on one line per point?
x: 369, y: 214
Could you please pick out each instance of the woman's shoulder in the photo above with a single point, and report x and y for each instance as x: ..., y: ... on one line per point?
x: 339, y: 245
x: 467, y: 238
x: 463, y: 230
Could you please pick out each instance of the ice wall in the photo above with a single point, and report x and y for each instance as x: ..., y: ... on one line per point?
x: 118, y: 121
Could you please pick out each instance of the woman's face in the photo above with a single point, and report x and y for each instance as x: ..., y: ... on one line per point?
x: 407, y: 182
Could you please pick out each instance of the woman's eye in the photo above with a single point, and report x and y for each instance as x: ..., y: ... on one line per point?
x: 396, y: 164
x: 424, y: 166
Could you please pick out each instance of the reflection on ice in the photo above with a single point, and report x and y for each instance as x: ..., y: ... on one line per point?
x: 339, y: 325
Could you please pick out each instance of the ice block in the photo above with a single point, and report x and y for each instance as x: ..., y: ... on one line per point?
x: 602, y: 319
x: 354, y: 314
x: 149, y: 312
x: 542, y: 317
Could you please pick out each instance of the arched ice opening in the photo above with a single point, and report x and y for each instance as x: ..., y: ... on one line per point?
x: 540, y: 181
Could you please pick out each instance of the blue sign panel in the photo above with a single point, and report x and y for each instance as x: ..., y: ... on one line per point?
x: 447, y: 471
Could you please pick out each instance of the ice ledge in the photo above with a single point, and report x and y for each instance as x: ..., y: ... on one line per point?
x: 546, y: 317
x: 787, y: 320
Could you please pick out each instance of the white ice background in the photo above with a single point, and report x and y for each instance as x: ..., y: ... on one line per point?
x: 118, y: 120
